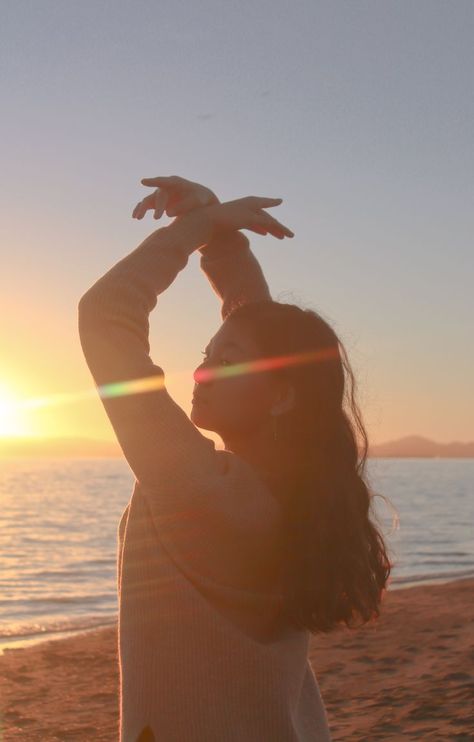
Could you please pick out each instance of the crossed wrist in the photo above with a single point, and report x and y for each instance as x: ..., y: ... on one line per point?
x: 193, y: 229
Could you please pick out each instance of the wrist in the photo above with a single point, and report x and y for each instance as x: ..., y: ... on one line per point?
x: 225, y: 243
x: 192, y: 230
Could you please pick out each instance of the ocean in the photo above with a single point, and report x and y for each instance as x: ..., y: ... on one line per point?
x: 59, y: 520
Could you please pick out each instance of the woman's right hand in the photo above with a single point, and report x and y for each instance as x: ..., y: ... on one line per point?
x: 174, y: 195
x: 246, y: 213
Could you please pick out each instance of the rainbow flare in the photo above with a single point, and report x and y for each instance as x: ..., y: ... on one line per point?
x: 135, y: 386
x: 266, y: 364
x: 157, y: 381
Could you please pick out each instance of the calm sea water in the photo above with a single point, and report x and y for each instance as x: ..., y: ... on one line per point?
x: 59, y: 519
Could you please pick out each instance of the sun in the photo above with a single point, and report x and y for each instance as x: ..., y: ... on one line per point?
x: 12, y: 418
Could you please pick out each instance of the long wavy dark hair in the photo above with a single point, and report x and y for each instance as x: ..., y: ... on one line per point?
x: 335, y: 561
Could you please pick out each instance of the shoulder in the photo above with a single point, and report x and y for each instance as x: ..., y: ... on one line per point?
x: 245, y: 492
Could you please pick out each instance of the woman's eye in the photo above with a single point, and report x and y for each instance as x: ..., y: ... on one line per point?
x: 206, y: 357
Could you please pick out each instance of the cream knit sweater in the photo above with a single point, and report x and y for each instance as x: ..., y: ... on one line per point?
x: 203, y: 654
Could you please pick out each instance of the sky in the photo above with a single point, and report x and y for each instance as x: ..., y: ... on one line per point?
x: 359, y: 115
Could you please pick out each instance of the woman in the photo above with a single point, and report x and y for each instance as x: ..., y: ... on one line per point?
x: 229, y: 559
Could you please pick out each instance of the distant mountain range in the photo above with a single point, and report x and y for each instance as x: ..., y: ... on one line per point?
x: 413, y: 446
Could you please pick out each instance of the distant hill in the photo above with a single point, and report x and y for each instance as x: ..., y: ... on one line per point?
x: 414, y: 446
x: 58, y: 448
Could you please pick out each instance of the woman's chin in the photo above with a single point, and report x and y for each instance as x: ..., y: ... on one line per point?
x: 198, y: 418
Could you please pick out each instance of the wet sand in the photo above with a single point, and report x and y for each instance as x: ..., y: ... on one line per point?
x: 407, y: 676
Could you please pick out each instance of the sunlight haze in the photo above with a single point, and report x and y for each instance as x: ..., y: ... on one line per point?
x: 358, y: 115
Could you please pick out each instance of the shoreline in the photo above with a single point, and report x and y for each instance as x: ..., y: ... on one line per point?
x: 32, y: 640
x: 408, y: 675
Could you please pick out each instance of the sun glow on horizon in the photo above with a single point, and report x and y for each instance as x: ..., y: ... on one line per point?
x: 13, y: 421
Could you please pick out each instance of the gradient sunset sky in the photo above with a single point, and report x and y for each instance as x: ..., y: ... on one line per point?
x: 358, y: 114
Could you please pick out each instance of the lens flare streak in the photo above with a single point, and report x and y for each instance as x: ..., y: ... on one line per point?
x: 156, y: 382
x: 266, y: 364
x: 135, y: 386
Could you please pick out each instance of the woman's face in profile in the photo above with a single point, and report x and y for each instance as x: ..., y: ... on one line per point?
x: 237, y: 403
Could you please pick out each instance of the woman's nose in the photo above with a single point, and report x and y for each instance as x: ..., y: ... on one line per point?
x: 199, y: 373
x: 204, y: 374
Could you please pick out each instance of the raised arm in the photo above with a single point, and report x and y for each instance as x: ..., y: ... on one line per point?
x: 155, y: 434
x: 233, y: 271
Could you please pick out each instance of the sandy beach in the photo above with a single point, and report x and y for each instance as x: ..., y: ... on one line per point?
x: 407, y: 676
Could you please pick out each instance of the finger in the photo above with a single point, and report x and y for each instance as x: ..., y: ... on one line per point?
x: 264, y: 203
x: 135, y: 210
x: 257, y: 228
x: 160, y: 203
x: 276, y: 232
x: 269, y: 227
x: 284, y: 230
x: 162, y: 181
x: 275, y: 225
x: 139, y: 212
x: 143, y: 207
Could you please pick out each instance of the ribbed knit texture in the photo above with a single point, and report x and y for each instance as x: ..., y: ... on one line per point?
x: 204, y: 656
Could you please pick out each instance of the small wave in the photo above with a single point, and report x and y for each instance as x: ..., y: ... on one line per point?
x: 441, y: 554
x: 99, y: 561
x: 452, y: 563
x: 82, y: 571
x: 46, y: 629
x: 59, y: 599
x: 429, y: 576
x: 56, y: 573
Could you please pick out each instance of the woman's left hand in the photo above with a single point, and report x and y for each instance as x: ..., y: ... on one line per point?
x: 174, y: 195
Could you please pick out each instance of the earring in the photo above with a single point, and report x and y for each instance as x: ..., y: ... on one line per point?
x: 274, y: 427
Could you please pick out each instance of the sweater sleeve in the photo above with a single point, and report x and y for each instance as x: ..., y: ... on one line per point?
x: 203, y: 502
x: 233, y: 271
x: 155, y: 434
